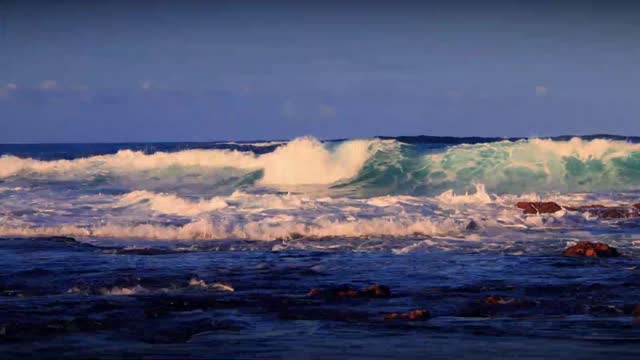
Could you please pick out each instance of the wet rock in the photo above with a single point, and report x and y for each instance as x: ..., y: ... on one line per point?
x: 539, y: 207
x: 374, y: 291
x: 497, y: 300
x: 585, y: 208
x: 637, y: 206
x: 636, y: 312
x: 494, y: 305
x: 614, y: 213
x: 472, y: 226
x: 413, y: 315
x: 604, y: 212
x: 590, y: 249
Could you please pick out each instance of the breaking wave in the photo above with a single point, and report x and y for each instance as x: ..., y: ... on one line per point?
x: 362, y: 168
x: 521, y: 166
x: 299, y: 162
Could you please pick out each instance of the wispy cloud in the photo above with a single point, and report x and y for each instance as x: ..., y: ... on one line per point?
x: 541, y: 90
x: 5, y: 90
x: 48, y: 85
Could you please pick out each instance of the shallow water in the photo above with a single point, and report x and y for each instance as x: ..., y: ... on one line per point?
x: 63, y: 297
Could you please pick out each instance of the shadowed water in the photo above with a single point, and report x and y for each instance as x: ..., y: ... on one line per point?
x: 63, y: 297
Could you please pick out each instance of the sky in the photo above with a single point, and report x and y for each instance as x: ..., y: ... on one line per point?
x: 120, y: 71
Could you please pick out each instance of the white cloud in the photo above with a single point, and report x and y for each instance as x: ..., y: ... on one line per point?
x: 48, y: 85
x: 145, y: 85
x: 11, y: 86
x: 541, y: 90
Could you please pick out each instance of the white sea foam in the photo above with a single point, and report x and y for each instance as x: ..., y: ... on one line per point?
x: 479, y: 197
x: 148, y: 215
x: 299, y: 162
x: 215, y: 286
x: 116, y: 290
x: 172, y: 204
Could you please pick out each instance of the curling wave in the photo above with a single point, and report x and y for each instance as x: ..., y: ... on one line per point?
x: 300, y: 162
x: 535, y: 165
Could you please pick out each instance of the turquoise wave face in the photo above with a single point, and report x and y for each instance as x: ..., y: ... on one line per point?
x: 360, y: 168
x: 503, y: 167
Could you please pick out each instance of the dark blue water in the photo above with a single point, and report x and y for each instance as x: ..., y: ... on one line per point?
x: 57, y: 298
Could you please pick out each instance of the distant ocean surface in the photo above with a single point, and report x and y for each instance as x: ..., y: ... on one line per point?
x: 209, y: 250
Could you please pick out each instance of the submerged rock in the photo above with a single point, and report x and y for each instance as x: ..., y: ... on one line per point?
x: 494, y: 305
x: 590, y: 249
x: 539, y: 207
x: 374, y: 291
x: 604, y: 212
x: 413, y: 315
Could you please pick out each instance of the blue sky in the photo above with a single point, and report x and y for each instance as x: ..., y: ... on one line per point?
x: 84, y: 71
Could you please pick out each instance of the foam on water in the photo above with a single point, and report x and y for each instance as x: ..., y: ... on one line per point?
x: 299, y: 162
x: 354, y: 189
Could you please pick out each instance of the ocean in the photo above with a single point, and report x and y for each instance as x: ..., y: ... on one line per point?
x: 210, y: 250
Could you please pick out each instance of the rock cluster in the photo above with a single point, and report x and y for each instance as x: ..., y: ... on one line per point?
x: 597, y: 210
x: 590, y: 249
x: 413, y: 315
x: 340, y: 292
x: 539, y: 207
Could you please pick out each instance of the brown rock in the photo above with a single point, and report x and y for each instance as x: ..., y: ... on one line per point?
x: 611, y: 213
x: 377, y: 291
x: 374, y: 291
x: 589, y: 249
x: 413, y: 315
x: 636, y: 311
x: 497, y: 300
x: 604, y: 212
x: 539, y: 207
x: 585, y: 208
x: 494, y: 305
x: 637, y: 206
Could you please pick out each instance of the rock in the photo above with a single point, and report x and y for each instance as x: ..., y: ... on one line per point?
x: 610, y: 214
x: 374, y: 291
x: 636, y: 311
x: 585, y: 208
x: 413, y: 315
x: 497, y: 300
x: 472, y: 226
x: 604, y: 212
x: 637, y: 206
x: 539, y: 207
x: 494, y: 305
x: 589, y: 249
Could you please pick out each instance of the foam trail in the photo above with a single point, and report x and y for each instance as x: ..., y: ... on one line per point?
x: 172, y: 204
x: 266, y: 229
